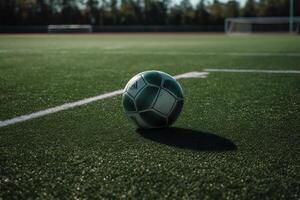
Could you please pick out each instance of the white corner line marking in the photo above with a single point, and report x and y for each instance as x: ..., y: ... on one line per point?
x: 254, y: 71
x: 85, y: 101
x: 58, y: 108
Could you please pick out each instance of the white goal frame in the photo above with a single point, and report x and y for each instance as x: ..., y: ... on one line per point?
x: 260, y: 24
x: 70, y: 28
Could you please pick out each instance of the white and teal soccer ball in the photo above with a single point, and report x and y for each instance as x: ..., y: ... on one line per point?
x: 153, y: 99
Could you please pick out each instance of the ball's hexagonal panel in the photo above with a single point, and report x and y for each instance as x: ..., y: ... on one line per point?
x: 128, y: 103
x: 135, y: 85
x: 165, y: 75
x: 136, y: 118
x: 175, y: 112
x: 153, y: 119
x: 164, y: 102
x: 153, y: 77
x: 174, y: 87
x: 146, y: 97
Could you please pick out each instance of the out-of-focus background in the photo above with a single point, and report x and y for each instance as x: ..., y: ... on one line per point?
x: 149, y: 15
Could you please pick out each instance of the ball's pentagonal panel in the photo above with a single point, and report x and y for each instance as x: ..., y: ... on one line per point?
x: 164, y: 102
x: 153, y: 119
x: 128, y: 103
x: 136, y: 118
x: 153, y: 99
x: 135, y: 85
x: 146, y: 97
x: 153, y: 77
x: 173, y: 87
x: 175, y: 112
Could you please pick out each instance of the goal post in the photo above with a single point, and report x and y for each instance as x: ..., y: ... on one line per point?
x: 261, y: 25
x: 72, y: 28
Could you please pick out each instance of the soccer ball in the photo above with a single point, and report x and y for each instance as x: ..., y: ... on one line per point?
x: 152, y: 99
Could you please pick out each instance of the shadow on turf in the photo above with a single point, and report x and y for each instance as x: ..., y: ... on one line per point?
x: 188, y: 139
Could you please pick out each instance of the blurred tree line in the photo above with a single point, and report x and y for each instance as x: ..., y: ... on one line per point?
x: 133, y: 12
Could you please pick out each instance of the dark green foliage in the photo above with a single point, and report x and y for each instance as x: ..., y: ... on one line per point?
x: 153, y: 119
x: 232, y: 9
x: 155, y: 12
x: 274, y: 7
x: 133, y: 12
x: 250, y: 9
x: 201, y: 13
x: 146, y: 97
x: 153, y: 78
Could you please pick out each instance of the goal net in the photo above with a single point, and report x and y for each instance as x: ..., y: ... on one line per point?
x: 69, y: 29
x: 261, y: 25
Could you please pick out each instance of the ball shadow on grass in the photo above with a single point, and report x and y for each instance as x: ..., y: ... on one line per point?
x: 188, y: 139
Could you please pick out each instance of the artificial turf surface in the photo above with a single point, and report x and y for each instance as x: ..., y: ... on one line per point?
x: 237, y: 136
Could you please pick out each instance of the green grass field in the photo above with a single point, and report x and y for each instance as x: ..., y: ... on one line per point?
x: 236, y: 138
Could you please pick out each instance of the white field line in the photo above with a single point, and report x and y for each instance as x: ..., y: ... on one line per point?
x: 192, y: 75
x: 254, y: 71
x: 85, y: 101
x: 58, y: 108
